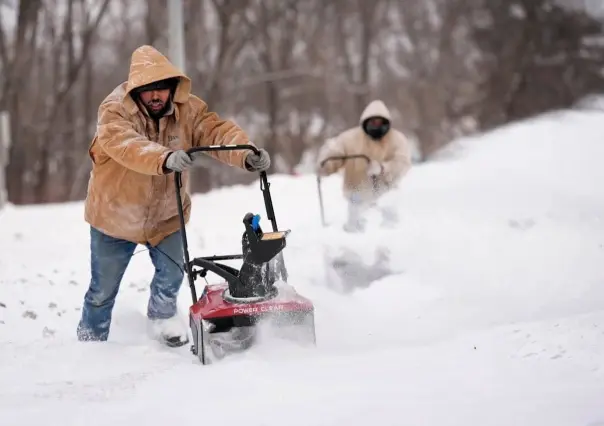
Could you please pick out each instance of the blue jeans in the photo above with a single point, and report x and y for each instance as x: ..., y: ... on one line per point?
x: 109, y: 258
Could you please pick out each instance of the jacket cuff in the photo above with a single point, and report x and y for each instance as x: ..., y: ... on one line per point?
x: 244, y: 164
x: 163, y: 170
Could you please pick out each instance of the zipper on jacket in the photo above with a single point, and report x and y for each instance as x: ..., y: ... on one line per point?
x: 151, y: 130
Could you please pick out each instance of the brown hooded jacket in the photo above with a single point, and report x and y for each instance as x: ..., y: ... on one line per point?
x: 392, y: 152
x: 130, y: 195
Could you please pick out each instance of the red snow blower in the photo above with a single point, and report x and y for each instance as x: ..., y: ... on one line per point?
x: 227, y: 316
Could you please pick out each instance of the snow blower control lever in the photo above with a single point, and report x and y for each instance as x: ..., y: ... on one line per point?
x: 259, y: 247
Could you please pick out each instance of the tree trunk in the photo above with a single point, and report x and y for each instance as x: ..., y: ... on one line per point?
x: 18, y: 73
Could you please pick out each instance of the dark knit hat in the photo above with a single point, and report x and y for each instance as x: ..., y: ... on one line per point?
x: 168, y: 83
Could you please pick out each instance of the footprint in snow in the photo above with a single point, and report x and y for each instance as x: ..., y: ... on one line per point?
x: 30, y: 314
x: 558, y: 355
x: 521, y: 225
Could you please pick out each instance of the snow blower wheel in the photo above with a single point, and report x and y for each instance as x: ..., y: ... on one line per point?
x: 225, y: 318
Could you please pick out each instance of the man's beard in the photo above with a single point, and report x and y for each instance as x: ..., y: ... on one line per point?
x: 157, y: 113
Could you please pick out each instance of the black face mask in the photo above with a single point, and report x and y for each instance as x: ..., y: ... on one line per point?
x: 376, y: 132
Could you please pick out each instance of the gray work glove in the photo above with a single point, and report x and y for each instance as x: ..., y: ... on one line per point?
x: 375, y: 168
x: 179, y: 161
x: 258, y: 163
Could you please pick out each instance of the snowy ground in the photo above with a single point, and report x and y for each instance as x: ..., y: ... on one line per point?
x: 493, y: 313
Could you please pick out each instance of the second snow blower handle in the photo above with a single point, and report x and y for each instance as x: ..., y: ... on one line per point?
x: 334, y: 158
x: 345, y: 157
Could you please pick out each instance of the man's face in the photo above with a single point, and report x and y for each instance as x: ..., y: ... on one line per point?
x: 376, y: 127
x: 376, y: 122
x: 155, y: 100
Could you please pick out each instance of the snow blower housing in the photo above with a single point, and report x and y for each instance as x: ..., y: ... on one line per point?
x: 225, y: 317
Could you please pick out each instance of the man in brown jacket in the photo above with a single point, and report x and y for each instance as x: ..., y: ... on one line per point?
x: 145, y: 125
x: 364, y: 182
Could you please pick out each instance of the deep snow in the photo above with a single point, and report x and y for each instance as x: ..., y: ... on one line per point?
x: 493, y: 313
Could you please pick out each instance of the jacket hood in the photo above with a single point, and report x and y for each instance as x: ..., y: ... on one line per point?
x: 148, y: 65
x: 375, y: 108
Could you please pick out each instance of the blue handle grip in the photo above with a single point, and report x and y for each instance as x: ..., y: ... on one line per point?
x: 256, y: 222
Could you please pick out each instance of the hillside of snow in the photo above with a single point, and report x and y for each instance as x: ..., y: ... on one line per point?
x: 489, y: 308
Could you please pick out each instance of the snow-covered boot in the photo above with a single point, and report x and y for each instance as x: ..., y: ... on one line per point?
x: 390, y: 217
x: 170, y: 331
x: 355, y: 221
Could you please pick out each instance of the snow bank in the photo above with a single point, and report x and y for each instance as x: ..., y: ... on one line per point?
x: 493, y: 313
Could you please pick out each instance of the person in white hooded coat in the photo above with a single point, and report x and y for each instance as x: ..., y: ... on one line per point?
x: 390, y: 155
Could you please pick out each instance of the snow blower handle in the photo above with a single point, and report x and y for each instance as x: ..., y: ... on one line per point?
x: 264, y: 185
x: 345, y: 157
x: 334, y: 158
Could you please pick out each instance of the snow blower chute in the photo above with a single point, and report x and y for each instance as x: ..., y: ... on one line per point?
x: 225, y: 318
